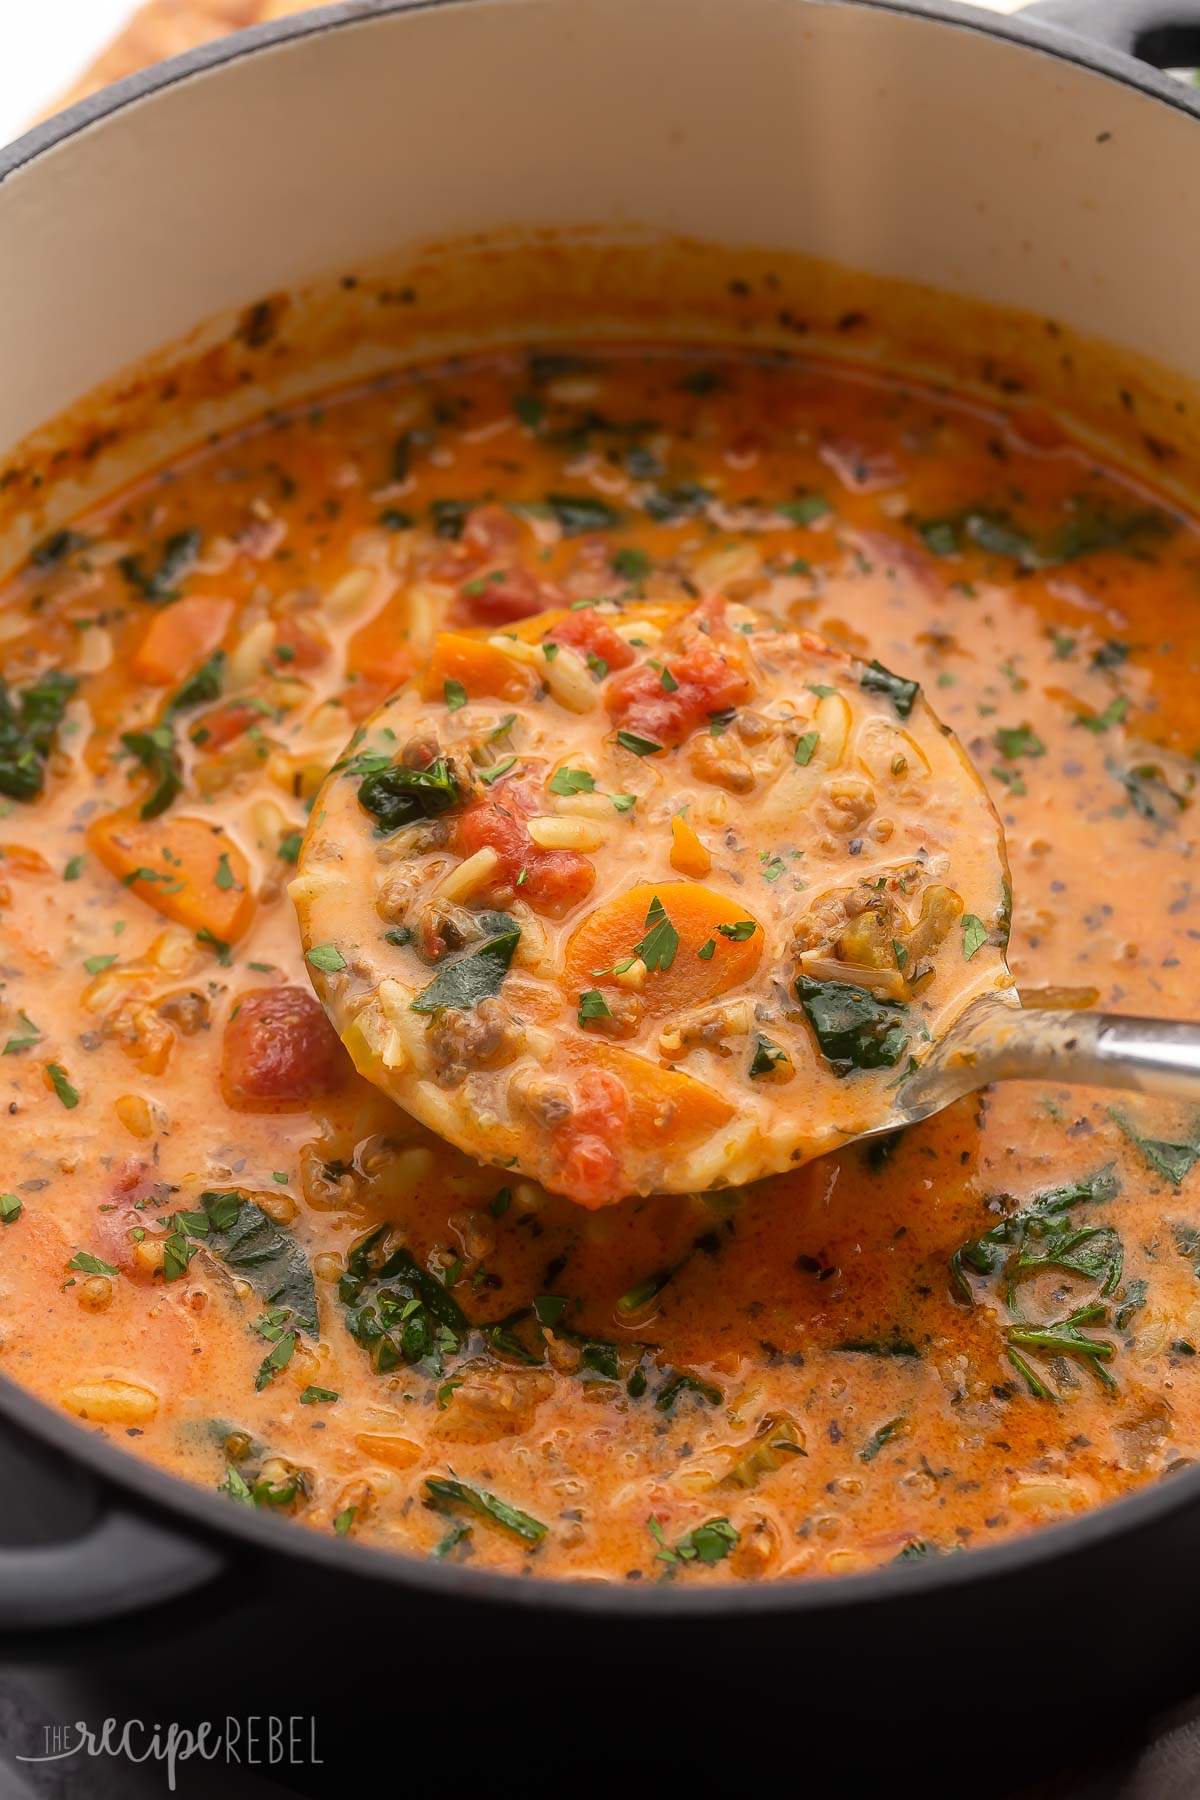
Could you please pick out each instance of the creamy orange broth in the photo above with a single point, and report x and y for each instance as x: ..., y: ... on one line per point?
x: 814, y: 1374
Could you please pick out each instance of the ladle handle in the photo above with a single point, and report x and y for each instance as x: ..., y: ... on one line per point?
x: 1092, y: 1049
x: 1095, y: 1049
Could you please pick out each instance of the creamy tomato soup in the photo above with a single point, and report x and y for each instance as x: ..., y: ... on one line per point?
x: 224, y: 1248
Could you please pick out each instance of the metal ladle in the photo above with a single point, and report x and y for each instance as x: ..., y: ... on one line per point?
x: 999, y: 1040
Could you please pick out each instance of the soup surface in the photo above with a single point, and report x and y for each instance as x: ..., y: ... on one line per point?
x: 223, y: 1247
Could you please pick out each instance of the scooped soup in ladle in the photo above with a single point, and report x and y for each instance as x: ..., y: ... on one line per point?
x: 643, y: 898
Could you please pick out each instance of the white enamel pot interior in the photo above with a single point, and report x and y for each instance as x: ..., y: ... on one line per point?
x: 924, y: 147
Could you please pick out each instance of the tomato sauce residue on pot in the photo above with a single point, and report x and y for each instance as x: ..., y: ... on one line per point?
x: 226, y: 1250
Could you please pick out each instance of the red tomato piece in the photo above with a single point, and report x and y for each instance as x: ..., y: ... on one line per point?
x: 299, y: 645
x: 554, y: 880
x: 490, y: 531
x: 498, y: 596
x: 707, y: 679
x: 590, y: 1163
x: 213, y: 730
x: 279, y: 1048
x: 592, y: 636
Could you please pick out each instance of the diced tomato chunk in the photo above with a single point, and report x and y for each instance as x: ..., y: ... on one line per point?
x: 591, y: 635
x: 498, y: 596
x: 362, y: 697
x: 215, y: 729
x: 588, y: 1144
x: 554, y: 880
x: 378, y: 660
x: 299, y: 645
x: 707, y: 679
x: 179, y: 637
x: 279, y: 1047
x: 490, y: 531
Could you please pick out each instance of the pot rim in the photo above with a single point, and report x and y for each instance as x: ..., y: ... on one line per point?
x: 1028, y: 33
x: 214, y: 1517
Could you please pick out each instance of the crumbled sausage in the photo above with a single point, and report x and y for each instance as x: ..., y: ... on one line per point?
x: 487, y: 1036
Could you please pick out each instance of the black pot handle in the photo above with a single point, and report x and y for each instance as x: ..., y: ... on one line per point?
x: 123, y: 1564
x: 74, y: 1553
x: 1165, y: 33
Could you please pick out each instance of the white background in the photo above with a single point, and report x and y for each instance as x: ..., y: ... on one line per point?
x: 46, y: 44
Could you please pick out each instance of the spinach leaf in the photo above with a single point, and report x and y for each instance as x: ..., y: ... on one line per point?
x: 580, y: 513
x: 549, y: 365
x: 271, y: 1260
x: 1088, y: 528
x: 996, y: 533
x: 630, y: 564
x: 768, y: 1059
x: 51, y: 551
x: 1018, y: 740
x: 919, y: 1549
x: 471, y: 978
x: 708, y: 1543
x: 27, y: 727
x: 1093, y: 1251
x: 156, y: 750
x: 395, y: 795
x: 893, y: 1346
x: 205, y: 684
x: 461, y: 1493
x: 854, y: 1030
x: 396, y: 1310
x: 875, y: 679
x: 974, y: 935
x: 600, y: 1357
x: 877, y: 1440
x: 678, y: 1383
x: 805, y: 509
x: 683, y: 501
x: 939, y: 536
x: 1173, y: 1161
x: 987, y: 1254
x: 1133, y: 1299
x: 283, y: 1345
x: 160, y: 583
x: 1149, y: 793
x: 449, y: 517
x: 1064, y: 1337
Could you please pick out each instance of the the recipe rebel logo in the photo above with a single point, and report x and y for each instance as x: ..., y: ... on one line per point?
x: 259, y: 1741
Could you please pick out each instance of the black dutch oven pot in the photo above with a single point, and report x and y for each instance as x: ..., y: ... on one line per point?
x: 880, y: 136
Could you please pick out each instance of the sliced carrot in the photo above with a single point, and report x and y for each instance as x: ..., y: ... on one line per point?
x: 662, y: 614
x: 478, y: 666
x: 388, y: 1447
x: 613, y: 932
x: 666, y: 1106
x: 688, y: 854
x: 380, y: 660
x: 622, y: 1100
x: 189, y: 870
x: 179, y: 637
x: 23, y: 859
